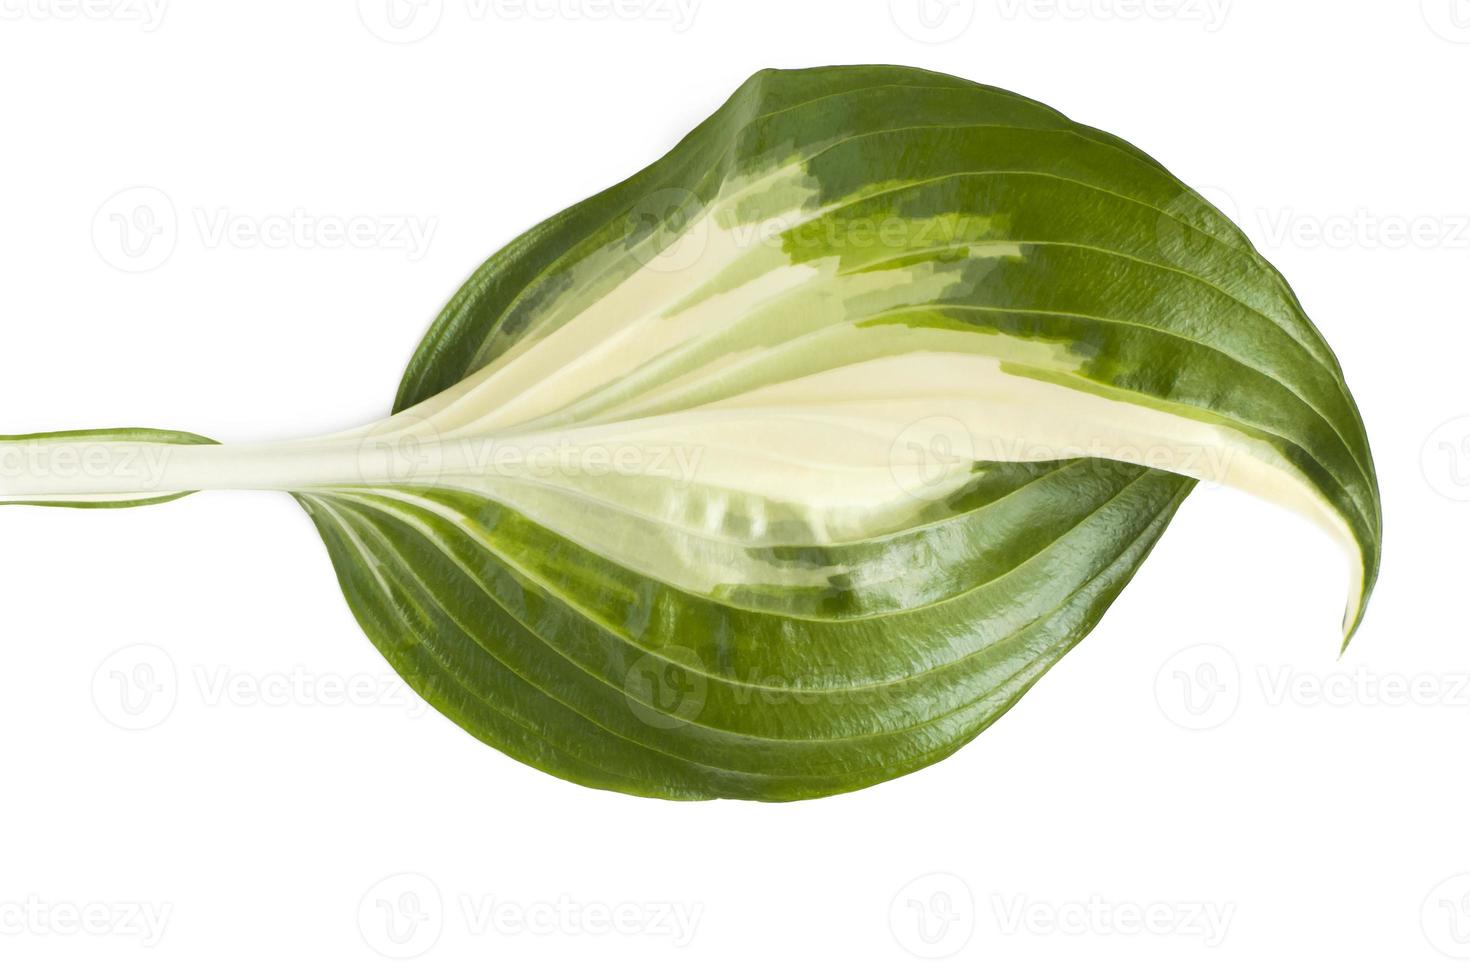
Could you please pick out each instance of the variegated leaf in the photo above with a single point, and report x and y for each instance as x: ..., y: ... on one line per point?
x: 787, y: 465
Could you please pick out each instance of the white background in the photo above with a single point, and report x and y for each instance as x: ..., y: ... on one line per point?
x: 1297, y: 812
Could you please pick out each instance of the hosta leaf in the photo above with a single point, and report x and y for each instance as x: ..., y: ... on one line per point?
x: 788, y: 464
